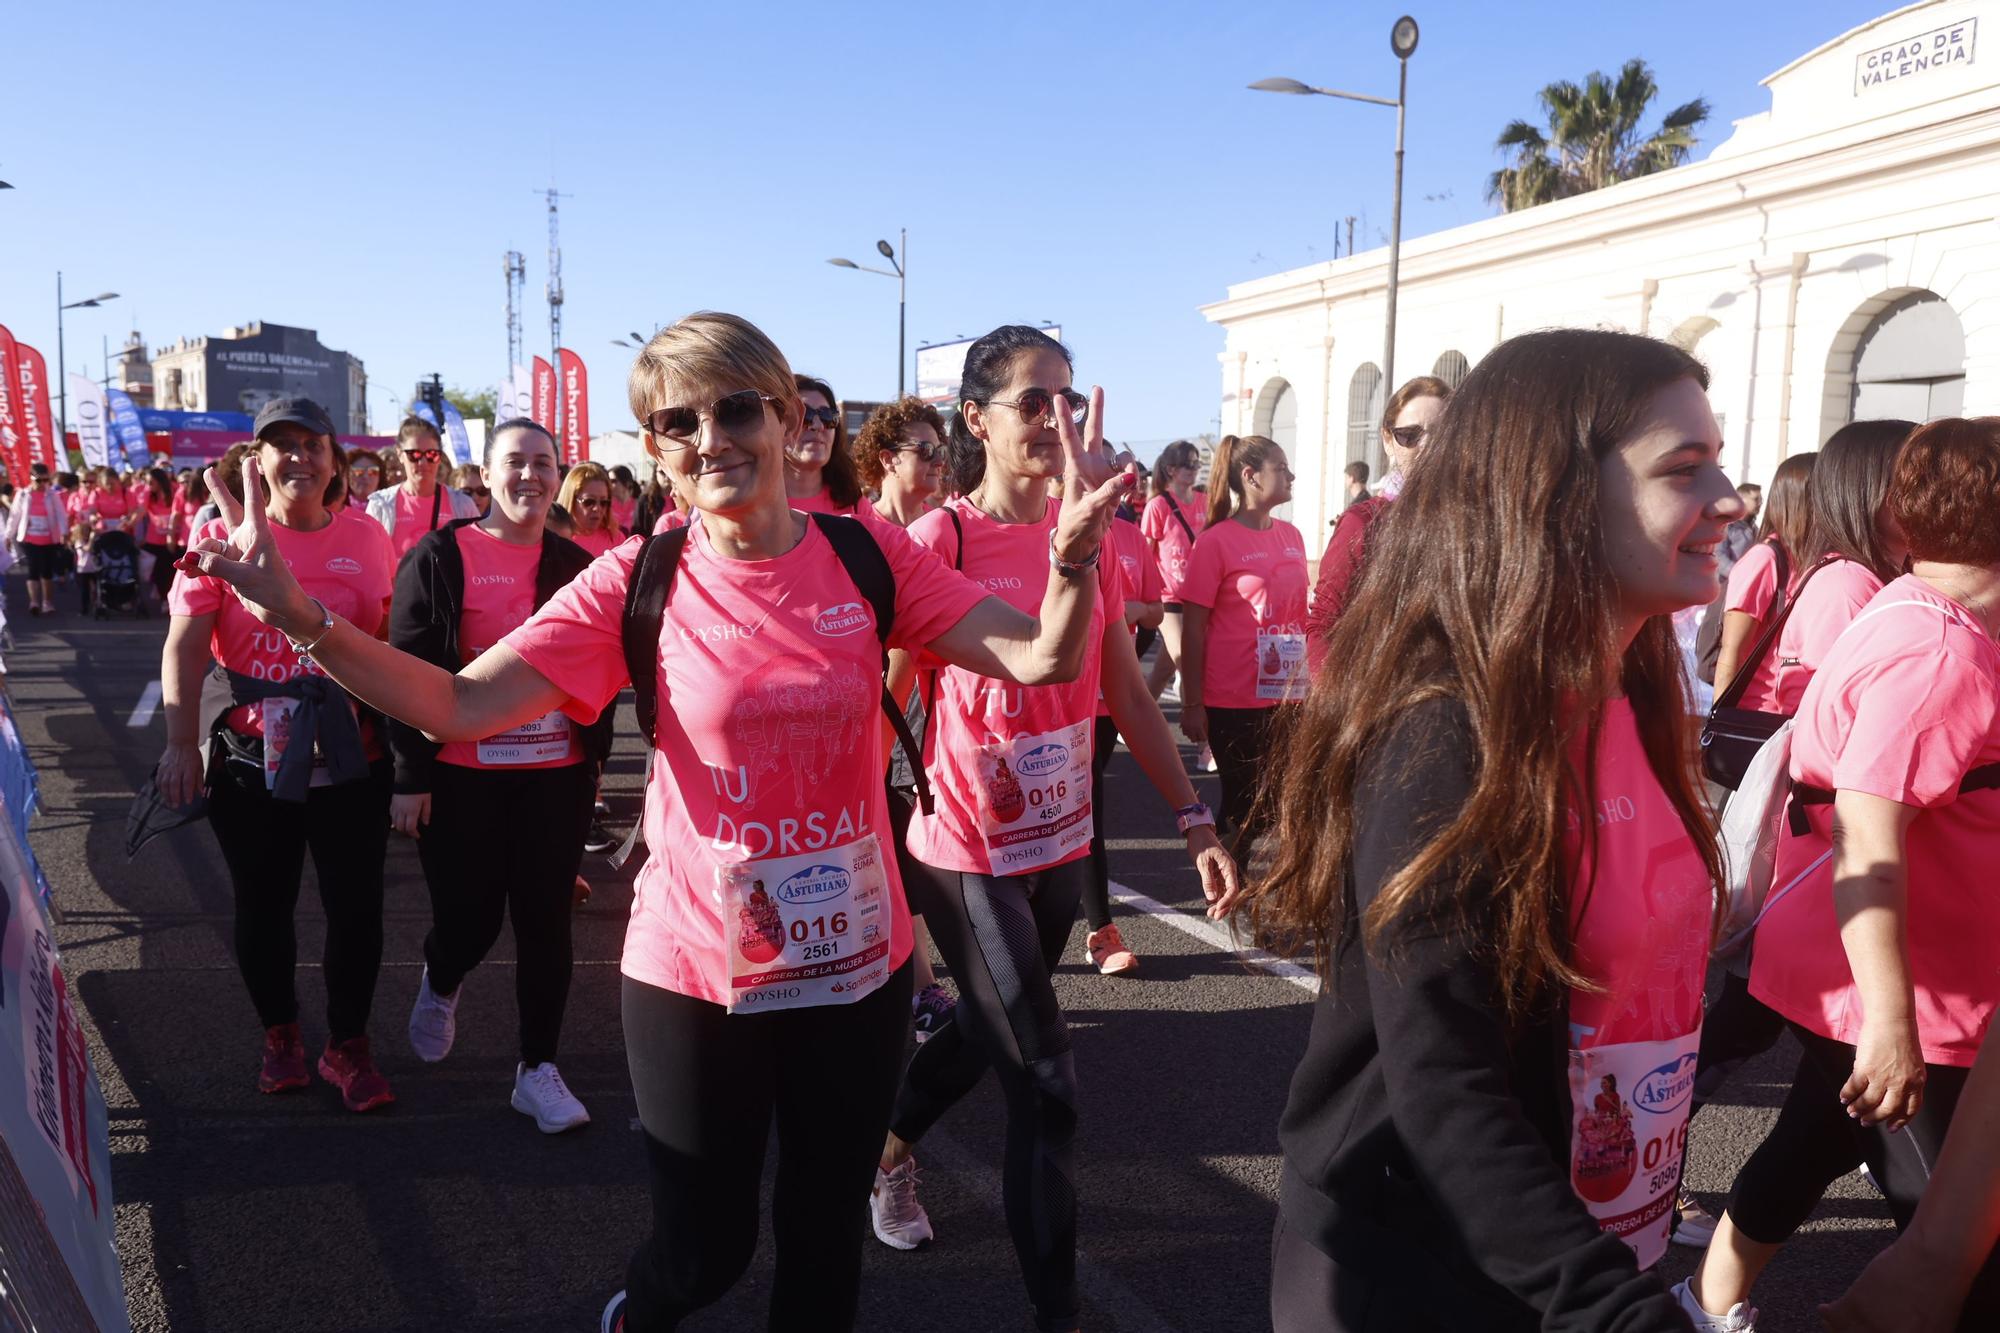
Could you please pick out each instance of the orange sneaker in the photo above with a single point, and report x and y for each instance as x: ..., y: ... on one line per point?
x: 1109, y: 953
x: 349, y: 1067
x: 284, y: 1060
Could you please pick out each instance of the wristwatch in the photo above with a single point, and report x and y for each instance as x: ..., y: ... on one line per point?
x: 1193, y: 816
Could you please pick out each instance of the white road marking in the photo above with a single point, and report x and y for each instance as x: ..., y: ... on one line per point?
x: 1208, y: 932
x: 149, y: 700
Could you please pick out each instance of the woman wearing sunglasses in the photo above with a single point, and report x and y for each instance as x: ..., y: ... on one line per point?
x: 364, y: 475
x: 422, y: 503
x: 1405, y: 425
x: 717, y: 1050
x: 1172, y: 519
x: 1007, y: 848
x: 819, y: 470
x: 586, y: 498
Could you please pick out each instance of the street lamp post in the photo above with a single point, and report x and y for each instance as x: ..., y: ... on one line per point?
x: 1403, y: 42
x: 898, y: 270
x: 62, y: 366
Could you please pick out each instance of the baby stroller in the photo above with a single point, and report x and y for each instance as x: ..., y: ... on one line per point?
x: 117, y: 575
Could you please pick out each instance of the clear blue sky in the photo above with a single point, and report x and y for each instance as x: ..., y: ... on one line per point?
x: 361, y: 168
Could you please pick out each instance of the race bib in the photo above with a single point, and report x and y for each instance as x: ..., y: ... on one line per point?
x: 806, y: 930
x: 38, y: 524
x: 278, y: 738
x: 537, y: 742
x: 1281, y: 660
x: 1631, y: 1103
x: 1035, y: 794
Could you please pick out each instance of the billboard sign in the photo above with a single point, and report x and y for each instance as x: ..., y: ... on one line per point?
x: 942, y: 365
x: 155, y: 419
x: 276, y: 361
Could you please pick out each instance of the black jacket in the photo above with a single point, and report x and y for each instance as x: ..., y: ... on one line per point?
x: 423, y: 621
x: 1423, y: 1140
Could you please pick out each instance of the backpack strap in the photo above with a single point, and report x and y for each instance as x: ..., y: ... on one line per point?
x: 1179, y: 517
x: 437, y: 505
x: 645, y: 615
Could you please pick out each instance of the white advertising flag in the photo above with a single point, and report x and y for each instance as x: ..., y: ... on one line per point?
x: 88, y: 418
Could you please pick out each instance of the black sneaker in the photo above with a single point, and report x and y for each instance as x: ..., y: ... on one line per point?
x: 931, y: 1009
x: 597, y: 838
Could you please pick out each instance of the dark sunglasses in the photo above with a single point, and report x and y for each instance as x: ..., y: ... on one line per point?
x: 477, y: 492
x: 420, y: 455
x: 733, y: 412
x: 925, y: 451
x: 1409, y: 436
x: 1035, y: 404
x: 591, y: 504
x: 825, y: 416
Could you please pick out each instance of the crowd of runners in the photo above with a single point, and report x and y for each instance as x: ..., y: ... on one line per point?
x: 1463, y: 774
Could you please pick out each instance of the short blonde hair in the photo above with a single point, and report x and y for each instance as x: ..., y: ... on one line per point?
x: 573, y: 483
x: 710, y: 349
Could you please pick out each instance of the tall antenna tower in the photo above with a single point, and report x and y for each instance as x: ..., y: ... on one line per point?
x: 517, y: 291
x: 555, y: 295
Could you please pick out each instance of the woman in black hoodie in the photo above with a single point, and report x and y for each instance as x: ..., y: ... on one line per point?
x: 499, y: 822
x: 1491, y: 840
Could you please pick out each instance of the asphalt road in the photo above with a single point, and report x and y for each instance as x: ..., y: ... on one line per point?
x: 449, y: 1211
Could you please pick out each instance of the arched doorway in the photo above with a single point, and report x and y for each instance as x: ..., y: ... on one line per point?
x: 1452, y: 368
x: 1910, y: 362
x: 1364, y: 416
x: 1277, y: 417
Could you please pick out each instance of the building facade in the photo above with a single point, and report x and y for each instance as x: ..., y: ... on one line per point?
x: 247, y: 367
x: 1837, y: 257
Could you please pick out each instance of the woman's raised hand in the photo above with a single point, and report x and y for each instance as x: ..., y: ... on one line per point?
x: 247, y: 557
x: 1092, y: 488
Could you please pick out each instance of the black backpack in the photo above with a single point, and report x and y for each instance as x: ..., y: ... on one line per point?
x: 652, y: 584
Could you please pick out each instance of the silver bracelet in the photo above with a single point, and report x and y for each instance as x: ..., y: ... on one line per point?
x: 304, y: 650
x: 1072, y: 568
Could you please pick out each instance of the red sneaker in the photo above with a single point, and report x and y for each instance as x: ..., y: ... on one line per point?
x: 348, y: 1067
x: 284, y: 1060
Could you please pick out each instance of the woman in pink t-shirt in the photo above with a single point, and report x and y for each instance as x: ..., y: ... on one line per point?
x: 157, y: 504
x: 624, y: 499
x: 1879, y: 940
x: 291, y: 766
x: 764, y: 972
x: 41, y: 527
x: 1007, y: 843
x: 1244, y: 630
x: 1170, y: 522
x: 420, y: 502
x: 586, y: 496
x: 111, y: 503
x: 820, y: 476
x: 460, y: 591
x: 1764, y: 578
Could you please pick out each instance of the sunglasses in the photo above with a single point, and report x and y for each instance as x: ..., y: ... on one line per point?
x: 925, y: 451
x: 477, y: 492
x: 1035, y: 404
x: 420, y: 455
x: 588, y: 504
x: 735, y: 413
x: 1409, y: 436
x: 825, y: 416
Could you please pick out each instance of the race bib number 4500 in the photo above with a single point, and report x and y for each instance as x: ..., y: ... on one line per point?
x: 1036, y: 798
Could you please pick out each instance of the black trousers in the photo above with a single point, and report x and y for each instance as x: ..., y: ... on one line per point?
x: 507, y: 842
x: 1312, y: 1293
x: 264, y: 842
x: 1241, y: 740
x: 1002, y: 937
x: 1735, y: 1028
x: 1097, y: 893
x: 709, y: 1086
x: 1814, y: 1143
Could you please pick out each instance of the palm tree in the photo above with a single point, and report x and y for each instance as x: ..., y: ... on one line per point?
x: 1593, y: 139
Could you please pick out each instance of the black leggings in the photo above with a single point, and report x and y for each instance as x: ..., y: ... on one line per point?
x: 163, y: 567
x: 478, y: 874
x: 1735, y: 1028
x: 709, y: 1086
x: 1097, y: 893
x: 1002, y: 937
x: 264, y: 842
x: 1241, y: 740
x: 1814, y: 1143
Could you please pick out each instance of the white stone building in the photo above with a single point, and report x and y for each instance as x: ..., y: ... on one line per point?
x: 1837, y: 256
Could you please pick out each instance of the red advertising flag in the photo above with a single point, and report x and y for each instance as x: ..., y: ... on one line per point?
x: 545, y: 395
x: 13, y: 445
x: 34, y: 409
x: 576, y: 408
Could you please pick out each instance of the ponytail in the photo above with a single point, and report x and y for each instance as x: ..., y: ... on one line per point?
x: 1225, y: 473
x: 965, y: 454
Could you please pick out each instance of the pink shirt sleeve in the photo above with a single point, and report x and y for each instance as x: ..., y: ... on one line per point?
x: 577, y: 638
x: 1753, y: 582
x: 1920, y: 718
x: 931, y: 596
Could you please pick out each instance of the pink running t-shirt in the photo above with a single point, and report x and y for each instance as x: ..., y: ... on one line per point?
x: 1253, y: 583
x: 499, y: 596
x: 820, y: 502
x: 1138, y: 578
x: 413, y: 517
x: 1009, y: 764
x: 597, y: 543
x: 770, y: 725
x: 1171, y: 543
x: 1834, y: 597
x: 1902, y: 708
x: 45, y: 517
x: 345, y: 564
x: 1753, y: 591
x: 621, y: 514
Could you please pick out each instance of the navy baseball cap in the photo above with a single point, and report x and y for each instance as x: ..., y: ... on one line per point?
x: 301, y: 411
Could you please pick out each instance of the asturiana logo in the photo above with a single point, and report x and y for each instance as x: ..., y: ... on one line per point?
x: 814, y: 884
x: 837, y: 621
x: 1043, y: 759
x: 343, y: 564
x: 1666, y: 1087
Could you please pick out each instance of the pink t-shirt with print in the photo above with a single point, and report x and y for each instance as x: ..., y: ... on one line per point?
x: 1138, y: 577
x: 413, y: 517
x: 1834, y: 597
x: 1171, y: 543
x: 1004, y: 759
x: 45, y: 521
x: 597, y: 543
x: 770, y: 725
x: 498, y: 597
x: 1902, y: 708
x: 345, y: 564
x: 1254, y: 584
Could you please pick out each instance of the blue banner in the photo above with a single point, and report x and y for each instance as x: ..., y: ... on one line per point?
x: 127, y: 429
x: 454, y: 429
x: 158, y: 419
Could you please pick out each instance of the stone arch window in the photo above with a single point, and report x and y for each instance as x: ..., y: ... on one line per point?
x: 1364, y: 415
x: 1451, y: 368
x: 1910, y: 362
x: 1277, y: 414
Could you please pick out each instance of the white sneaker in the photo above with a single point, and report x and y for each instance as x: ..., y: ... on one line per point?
x: 1740, y: 1319
x: 900, y: 1221
x: 541, y: 1093
x: 1693, y: 1227
x: 433, y: 1022
x: 1208, y: 764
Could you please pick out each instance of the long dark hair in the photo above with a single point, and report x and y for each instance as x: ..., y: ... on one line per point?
x: 989, y: 363
x: 1787, y: 517
x: 1850, y: 485
x: 843, y: 485
x: 1488, y: 582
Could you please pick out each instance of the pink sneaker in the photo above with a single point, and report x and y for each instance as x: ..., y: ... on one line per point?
x: 284, y: 1060
x: 1109, y: 953
x: 348, y: 1067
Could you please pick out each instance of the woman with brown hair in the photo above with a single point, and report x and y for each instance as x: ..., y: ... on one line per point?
x: 819, y: 469
x: 1764, y: 578
x: 586, y: 498
x: 1171, y: 521
x: 1510, y: 723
